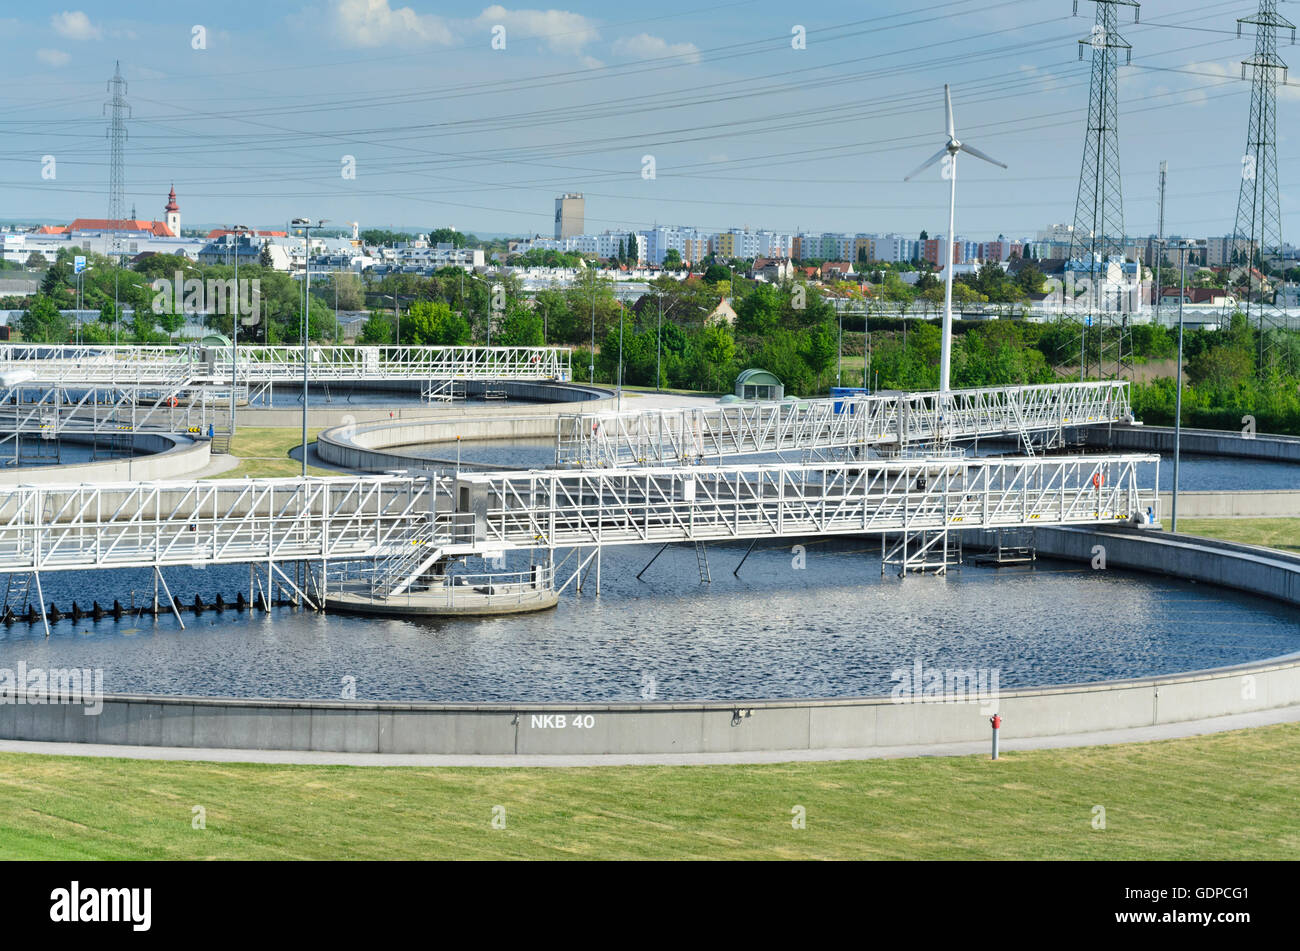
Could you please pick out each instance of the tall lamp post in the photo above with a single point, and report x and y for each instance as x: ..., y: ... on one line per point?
x: 1184, y: 247
x: 306, y: 225
x: 619, y: 391
x: 234, y: 330
x: 81, y: 291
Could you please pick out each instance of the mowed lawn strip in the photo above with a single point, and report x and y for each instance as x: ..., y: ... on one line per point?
x: 1280, y: 533
x: 263, y: 452
x: 1226, y: 796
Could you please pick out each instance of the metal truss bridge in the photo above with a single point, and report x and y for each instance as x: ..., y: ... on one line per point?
x: 894, y: 423
x: 403, y: 526
x: 49, y: 411
x: 193, y: 364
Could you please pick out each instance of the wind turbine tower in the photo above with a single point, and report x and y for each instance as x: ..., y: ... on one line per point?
x: 949, y: 171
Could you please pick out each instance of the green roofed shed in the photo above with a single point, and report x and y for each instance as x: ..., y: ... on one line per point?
x: 755, y: 384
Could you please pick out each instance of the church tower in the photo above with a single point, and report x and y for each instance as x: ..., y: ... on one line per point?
x: 173, y: 213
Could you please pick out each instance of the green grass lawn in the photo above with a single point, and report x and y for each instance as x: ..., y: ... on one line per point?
x: 1219, y: 797
x: 1282, y: 533
x: 264, y: 453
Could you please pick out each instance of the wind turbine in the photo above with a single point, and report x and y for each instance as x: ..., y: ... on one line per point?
x: 949, y: 154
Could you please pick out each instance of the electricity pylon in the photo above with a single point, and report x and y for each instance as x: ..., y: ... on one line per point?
x: 1257, y: 233
x: 1099, y: 209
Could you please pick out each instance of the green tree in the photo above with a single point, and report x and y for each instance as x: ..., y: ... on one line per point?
x: 448, y: 236
x: 718, y: 348
x: 377, y: 330
x: 433, y: 323
x: 41, y: 322
x: 520, y: 328
x: 823, y: 348
x: 672, y: 260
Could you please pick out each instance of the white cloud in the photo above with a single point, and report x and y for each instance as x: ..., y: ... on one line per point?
x: 375, y: 23
x: 74, y: 25
x: 53, y: 57
x: 560, y: 30
x: 645, y: 46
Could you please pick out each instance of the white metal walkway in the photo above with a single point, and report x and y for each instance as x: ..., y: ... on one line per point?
x: 896, y: 421
x: 554, y: 508
x: 157, y: 524
x: 51, y: 410
x: 393, y: 523
x: 102, y: 363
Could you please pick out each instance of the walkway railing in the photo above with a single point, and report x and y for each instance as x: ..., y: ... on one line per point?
x: 553, y: 508
x: 102, y: 363
x: 900, y: 420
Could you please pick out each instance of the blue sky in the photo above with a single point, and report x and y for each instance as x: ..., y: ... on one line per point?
x: 744, y: 129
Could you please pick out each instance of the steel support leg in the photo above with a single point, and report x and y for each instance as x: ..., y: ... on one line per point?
x: 40, y: 599
x: 158, y: 576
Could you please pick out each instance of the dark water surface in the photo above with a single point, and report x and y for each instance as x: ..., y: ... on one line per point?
x: 832, y: 629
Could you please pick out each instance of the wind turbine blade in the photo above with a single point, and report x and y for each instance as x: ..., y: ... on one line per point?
x: 926, y: 164
x: 980, y: 155
x: 947, y: 98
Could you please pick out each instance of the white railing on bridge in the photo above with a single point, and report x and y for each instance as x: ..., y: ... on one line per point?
x: 73, y: 527
x: 49, y: 411
x: 553, y: 508
x: 103, y: 363
x: 688, y: 436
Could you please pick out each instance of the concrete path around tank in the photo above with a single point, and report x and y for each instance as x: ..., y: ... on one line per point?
x: 221, y: 463
x: 1009, y: 744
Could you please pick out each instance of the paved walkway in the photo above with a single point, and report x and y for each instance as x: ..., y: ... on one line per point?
x: 1009, y: 744
x: 220, y: 463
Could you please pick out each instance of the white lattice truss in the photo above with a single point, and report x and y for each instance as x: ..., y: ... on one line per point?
x: 150, y: 365
x: 900, y: 421
x: 553, y: 508
x: 49, y: 411
x: 74, y: 527
x: 392, y: 522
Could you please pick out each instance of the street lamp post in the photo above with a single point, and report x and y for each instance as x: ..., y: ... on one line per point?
x: 591, y: 368
x: 659, y: 341
x: 619, y: 391
x: 1184, y: 247
x: 234, y: 332
x: 306, y: 225
x: 839, y: 356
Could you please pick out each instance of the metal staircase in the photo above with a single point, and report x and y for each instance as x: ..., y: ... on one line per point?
x: 442, y: 391
x: 395, y: 574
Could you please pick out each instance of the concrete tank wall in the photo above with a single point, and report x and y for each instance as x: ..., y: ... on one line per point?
x: 1208, y: 442
x: 551, y: 397
x: 169, y: 457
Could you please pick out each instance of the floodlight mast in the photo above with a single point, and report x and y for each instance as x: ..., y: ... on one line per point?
x: 949, y: 156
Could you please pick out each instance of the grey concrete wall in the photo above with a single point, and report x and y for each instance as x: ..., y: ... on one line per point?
x: 377, y: 446
x: 170, y: 457
x: 1200, y: 441
x: 1251, y: 503
x: 550, y: 397
x: 731, y: 726
x: 652, y: 728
